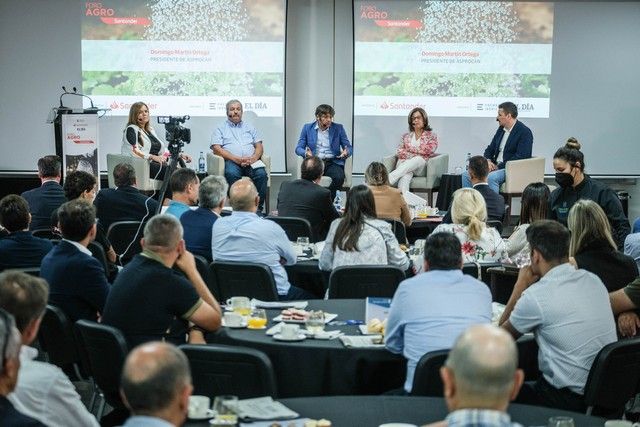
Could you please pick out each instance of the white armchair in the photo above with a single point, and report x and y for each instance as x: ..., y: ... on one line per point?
x: 426, y: 180
x: 215, y: 166
x: 142, y: 168
x: 519, y: 174
x: 325, y: 181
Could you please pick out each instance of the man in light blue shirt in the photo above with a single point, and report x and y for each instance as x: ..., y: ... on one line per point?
x: 430, y: 310
x: 239, y: 144
x: 185, y: 186
x: 244, y: 236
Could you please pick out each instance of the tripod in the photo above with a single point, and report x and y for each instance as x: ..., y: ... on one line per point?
x: 173, y: 165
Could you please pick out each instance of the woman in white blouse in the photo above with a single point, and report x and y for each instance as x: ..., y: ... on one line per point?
x: 534, y: 206
x: 359, y: 238
x: 480, y: 243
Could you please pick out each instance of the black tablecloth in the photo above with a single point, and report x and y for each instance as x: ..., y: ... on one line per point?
x: 420, y: 229
x: 371, y: 411
x: 448, y: 185
x: 307, y: 275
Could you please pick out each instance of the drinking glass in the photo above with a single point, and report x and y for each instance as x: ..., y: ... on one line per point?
x: 225, y: 407
x: 257, y: 319
x: 561, y: 422
x: 241, y: 305
x: 315, y: 322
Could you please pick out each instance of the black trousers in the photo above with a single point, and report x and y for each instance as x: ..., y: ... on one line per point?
x: 336, y: 173
x: 541, y: 393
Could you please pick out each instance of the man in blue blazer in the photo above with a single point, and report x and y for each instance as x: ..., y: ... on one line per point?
x: 49, y: 196
x: 329, y: 141
x: 512, y: 141
x: 77, y: 281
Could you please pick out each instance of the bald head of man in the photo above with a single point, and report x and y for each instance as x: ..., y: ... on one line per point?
x: 481, y: 371
x: 156, y: 382
x: 243, y: 196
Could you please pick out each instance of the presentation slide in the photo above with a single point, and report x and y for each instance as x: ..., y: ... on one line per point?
x: 453, y: 58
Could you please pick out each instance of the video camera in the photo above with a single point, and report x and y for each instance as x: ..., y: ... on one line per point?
x: 176, y: 134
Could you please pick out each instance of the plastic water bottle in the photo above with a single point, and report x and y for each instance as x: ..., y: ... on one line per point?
x: 467, y: 162
x: 201, y: 164
x: 337, y: 202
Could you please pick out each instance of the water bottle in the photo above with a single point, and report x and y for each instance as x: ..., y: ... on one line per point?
x: 467, y: 163
x: 337, y: 202
x: 201, y: 164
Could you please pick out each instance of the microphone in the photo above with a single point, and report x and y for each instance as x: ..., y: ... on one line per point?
x: 75, y: 92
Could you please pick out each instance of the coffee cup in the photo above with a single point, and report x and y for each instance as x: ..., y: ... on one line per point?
x: 232, y: 319
x: 241, y: 305
x: 289, y: 331
x: 199, y: 406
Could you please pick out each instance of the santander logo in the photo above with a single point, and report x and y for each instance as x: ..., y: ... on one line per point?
x: 114, y: 105
x: 384, y: 105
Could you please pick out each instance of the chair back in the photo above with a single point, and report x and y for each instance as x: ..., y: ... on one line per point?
x: 361, y: 281
x: 398, y: 228
x: 125, y: 238
x: 426, y: 377
x: 471, y: 268
x: 141, y: 167
x: 494, y: 223
x: 222, y: 369
x: 106, y: 350
x: 614, y: 377
x: 479, y: 271
x: 56, y: 339
x: 45, y: 233
x: 97, y: 251
x: 245, y: 279
x: 202, y: 265
x: 294, y: 227
x: 520, y: 173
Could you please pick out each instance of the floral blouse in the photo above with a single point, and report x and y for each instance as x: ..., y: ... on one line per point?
x: 427, y: 147
x: 489, y: 248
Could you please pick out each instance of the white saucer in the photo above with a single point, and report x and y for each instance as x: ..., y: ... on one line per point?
x: 210, y: 414
x: 301, y: 336
x: 240, y: 326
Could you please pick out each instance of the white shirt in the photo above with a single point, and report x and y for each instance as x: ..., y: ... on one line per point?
x: 45, y: 393
x: 81, y: 248
x: 503, y: 142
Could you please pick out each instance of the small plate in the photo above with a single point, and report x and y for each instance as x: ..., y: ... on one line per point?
x: 210, y: 414
x: 240, y: 326
x: 301, y: 336
x: 261, y: 327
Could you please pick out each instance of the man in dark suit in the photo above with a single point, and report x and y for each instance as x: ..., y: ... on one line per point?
x: 512, y: 141
x: 478, y: 174
x: 125, y: 202
x: 20, y: 248
x: 304, y: 198
x: 329, y: 141
x: 49, y: 196
x: 77, y: 281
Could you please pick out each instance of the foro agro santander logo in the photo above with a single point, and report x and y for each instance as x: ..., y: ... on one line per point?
x: 369, y: 11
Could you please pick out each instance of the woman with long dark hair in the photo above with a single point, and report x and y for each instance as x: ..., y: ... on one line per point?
x: 533, y: 206
x: 359, y: 238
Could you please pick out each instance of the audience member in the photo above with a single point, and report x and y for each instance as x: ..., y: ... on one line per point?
x: 512, y: 141
x: 469, y: 213
x: 9, y: 366
x: 415, y: 149
x: 244, y: 236
x: 77, y: 281
x: 360, y: 238
x: 593, y: 248
x: 150, y: 301
x: 327, y: 140
x: 198, y: 223
x: 305, y: 198
x: 184, y: 186
x: 431, y: 309
x: 20, y: 248
x: 480, y: 378
x: 43, y: 391
x: 569, y: 165
x: 388, y: 200
x: 156, y: 385
x: 569, y: 313
x: 240, y: 145
x: 533, y: 206
x: 125, y: 202
x: 632, y: 247
x: 49, y: 196
x: 625, y: 303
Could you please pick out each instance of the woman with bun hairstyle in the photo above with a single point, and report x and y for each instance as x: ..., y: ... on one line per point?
x: 389, y: 200
x: 568, y: 162
x: 479, y: 242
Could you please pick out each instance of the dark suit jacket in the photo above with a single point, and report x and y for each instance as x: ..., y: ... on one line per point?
x: 337, y: 139
x: 10, y: 417
x: 305, y: 199
x: 494, y: 202
x: 22, y: 249
x: 77, y: 282
x: 197, y: 225
x: 518, y: 145
x: 42, y: 202
x: 122, y: 204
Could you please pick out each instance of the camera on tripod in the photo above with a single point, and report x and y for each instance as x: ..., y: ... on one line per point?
x: 176, y: 134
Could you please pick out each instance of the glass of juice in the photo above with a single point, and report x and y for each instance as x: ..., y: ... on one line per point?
x: 257, y: 319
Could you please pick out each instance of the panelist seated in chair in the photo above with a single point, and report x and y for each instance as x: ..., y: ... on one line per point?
x: 512, y: 141
x: 359, y: 238
x: 327, y: 140
x: 414, y: 150
x: 240, y: 145
x: 139, y: 139
x: 389, y: 201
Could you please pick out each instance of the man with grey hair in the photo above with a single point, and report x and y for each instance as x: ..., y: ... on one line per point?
x: 9, y: 366
x: 43, y: 392
x: 244, y: 236
x: 239, y: 144
x: 197, y: 223
x: 480, y: 378
x: 156, y: 385
x: 150, y: 301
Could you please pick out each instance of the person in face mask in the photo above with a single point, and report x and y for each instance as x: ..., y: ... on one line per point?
x: 574, y: 185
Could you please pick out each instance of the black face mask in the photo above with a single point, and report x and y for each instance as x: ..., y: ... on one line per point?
x: 564, y: 179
